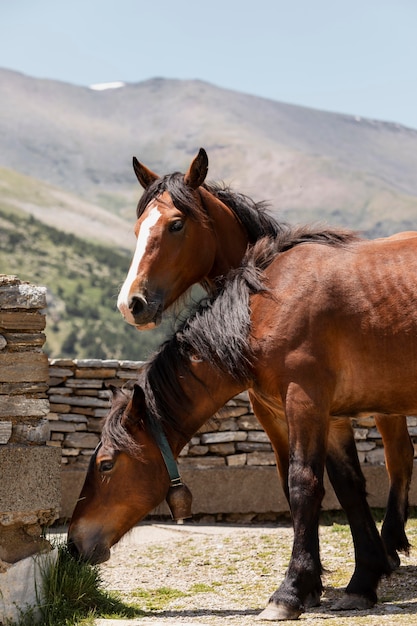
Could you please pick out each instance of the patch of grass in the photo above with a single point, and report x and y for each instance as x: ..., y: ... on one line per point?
x: 72, y: 594
x: 203, y: 588
x: 157, y: 599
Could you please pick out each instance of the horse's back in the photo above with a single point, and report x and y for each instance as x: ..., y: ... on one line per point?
x: 346, y: 317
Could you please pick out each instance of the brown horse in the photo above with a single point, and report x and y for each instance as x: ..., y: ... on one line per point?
x: 326, y: 330
x: 190, y: 232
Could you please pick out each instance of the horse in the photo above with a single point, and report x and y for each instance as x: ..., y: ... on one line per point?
x: 189, y: 231
x: 325, y: 329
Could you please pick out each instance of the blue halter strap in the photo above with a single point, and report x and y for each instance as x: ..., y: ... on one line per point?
x: 165, y: 448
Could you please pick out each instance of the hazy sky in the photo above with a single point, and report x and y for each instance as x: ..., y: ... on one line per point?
x: 352, y: 56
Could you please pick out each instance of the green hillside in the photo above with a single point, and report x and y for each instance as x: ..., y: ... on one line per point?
x: 82, y: 280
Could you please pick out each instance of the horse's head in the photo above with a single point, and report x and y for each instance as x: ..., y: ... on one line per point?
x: 175, y: 247
x: 126, y: 479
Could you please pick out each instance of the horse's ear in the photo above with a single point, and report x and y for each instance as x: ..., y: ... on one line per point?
x: 197, y: 171
x: 116, y: 391
x: 144, y: 175
x: 138, y: 403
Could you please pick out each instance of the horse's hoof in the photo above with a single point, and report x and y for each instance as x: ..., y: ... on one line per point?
x: 352, y: 602
x: 394, y: 561
x: 278, y: 612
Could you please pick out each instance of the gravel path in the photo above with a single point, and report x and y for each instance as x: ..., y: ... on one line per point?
x: 217, y: 574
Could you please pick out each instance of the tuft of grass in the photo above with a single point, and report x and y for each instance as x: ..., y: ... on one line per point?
x: 72, y: 594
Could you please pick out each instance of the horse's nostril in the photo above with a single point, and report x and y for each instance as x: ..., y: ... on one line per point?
x: 72, y: 549
x: 137, y: 305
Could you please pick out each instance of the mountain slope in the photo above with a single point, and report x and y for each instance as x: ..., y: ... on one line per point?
x: 310, y: 164
x: 82, y: 279
x: 63, y: 210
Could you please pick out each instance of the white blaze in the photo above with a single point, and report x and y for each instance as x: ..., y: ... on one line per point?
x: 141, y: 243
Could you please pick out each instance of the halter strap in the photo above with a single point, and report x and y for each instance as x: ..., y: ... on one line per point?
x: 167, y: 455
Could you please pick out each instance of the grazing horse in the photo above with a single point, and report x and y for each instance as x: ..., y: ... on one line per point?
x: 189, y: 231
x: 325, y: 330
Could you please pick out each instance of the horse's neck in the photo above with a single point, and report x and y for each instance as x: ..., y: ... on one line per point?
x: 231, y: 237
x: 207, y: 389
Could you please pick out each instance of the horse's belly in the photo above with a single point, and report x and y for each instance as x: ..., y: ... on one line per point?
x: 382, y: 385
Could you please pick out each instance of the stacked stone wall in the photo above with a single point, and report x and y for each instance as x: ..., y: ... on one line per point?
x: 29, y: 470
x: 79, y: 399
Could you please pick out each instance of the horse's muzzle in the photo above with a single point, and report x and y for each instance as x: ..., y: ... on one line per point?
x: 98, y: 554
x: 145, y: 314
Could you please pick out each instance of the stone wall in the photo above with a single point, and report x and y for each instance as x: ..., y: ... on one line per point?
x: 79, y: 399
x: 30, y: 487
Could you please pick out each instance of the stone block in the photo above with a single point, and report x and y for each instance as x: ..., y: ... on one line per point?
x: 96, y: 363
x: 34, y: 432
x: 20, y: 406
x: 373, y: 433
x: 59, y: 408
x: 62, y: 426
x: 14, y: 321
x: 81, y: 440
x: 228, y: 424
x: 259, y: 436
x: 22, y: 296
x: 60, y: 372
x: 82, y: 383
x: 198, y: 450
x: 223, y: 437
x: 23, y: 367
x: 20, y: 388
x: 30, y: 479
x: 249, y: 422
x: 93, y: 373
x: 21, y: 586
x: 131, y: 365
x: 201, y: 462
x: 222, y: 449
x: 80, y: 401
x: 231, y: 411
x: 364, y: 446
x: 5, y: 431
x: 360, y: 433
x: 24, y: 341
x: 375, y: 456
x: 236, y: 460
x: 253, y: 446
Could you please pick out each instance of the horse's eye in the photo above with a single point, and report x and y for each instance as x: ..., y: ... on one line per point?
x: 175, y: 226
x: 105, y: 466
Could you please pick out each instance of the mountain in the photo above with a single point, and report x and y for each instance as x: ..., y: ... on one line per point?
x: 311, y: 165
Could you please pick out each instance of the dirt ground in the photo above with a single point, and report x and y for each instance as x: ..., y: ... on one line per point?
x: 212, y: 575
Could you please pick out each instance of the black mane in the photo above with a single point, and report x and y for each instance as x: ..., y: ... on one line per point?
x: 252, y: 215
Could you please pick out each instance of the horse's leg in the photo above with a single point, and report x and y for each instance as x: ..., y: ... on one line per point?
x: 346, y: 476
x: 399, y: 455
x: 307, y: 439
x: 273, y: 421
